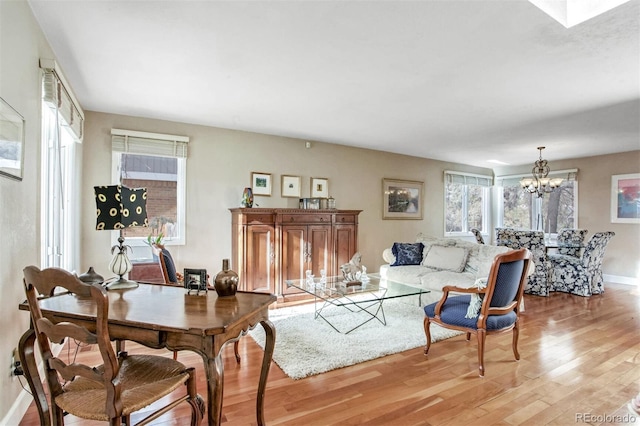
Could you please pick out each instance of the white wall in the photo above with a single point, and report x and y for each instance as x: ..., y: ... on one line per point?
x: 21, y: 45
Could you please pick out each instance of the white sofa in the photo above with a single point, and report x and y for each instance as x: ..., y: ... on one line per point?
x: 444, y: 261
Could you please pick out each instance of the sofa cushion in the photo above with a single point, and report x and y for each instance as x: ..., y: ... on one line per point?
x: 410, y: 275
x: 407, y: 253
x: 479, y: 263
x: 446, y: 258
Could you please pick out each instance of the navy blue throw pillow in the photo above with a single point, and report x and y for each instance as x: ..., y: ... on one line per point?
x: 407, y: 253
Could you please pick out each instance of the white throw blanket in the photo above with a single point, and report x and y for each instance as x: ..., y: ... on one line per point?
x: 476, y: 299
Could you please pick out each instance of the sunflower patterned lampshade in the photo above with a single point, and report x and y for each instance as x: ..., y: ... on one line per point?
x: 119, y: 207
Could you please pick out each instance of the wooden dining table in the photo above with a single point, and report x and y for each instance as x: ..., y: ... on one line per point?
x: 163, y: 316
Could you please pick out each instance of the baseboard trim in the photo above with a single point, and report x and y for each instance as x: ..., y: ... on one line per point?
x: 618, y: 279
x: 17, y: 409
x: 23, y: 401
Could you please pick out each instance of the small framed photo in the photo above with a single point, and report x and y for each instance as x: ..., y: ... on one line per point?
x: 402, y: 199
x: 625, y: 198
x: 261, y: 183
x: 319, y: 188
x: 195, y: 280
x: 291, y: 186
x: 11, y: 141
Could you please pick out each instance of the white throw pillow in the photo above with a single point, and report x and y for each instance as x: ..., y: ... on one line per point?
x: 446, y: 258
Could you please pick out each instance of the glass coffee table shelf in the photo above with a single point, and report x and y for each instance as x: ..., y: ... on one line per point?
x: 366, y: 298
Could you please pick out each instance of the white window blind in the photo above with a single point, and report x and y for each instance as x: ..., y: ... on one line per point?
x: 467, y: 179
x: 514, y: 180
x: 56, y: 94
x: 134, y: 142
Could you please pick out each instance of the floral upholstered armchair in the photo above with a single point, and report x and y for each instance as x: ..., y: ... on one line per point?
x: 538, y: 281
x: 570, y: 241
x: 580, y: 275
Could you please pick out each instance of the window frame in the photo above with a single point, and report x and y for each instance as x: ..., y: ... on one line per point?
x: 181, y: 186
x: 486, y: 203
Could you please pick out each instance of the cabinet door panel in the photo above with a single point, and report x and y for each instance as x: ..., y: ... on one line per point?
x: 294, y: 254
x: 319, y: 242
x: 345, y: 245
x: 260, y: 259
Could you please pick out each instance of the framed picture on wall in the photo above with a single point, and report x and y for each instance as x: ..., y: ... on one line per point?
x: 319, y: 188
x: 290, y: 186
x: 402, y: 199
x: 625, y: 198
x: 11, y: 141
x: 261, y: 183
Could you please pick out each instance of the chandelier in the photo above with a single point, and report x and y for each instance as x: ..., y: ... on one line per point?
x: 540, y: 184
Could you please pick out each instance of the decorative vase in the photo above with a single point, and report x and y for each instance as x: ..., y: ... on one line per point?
x: 247, y: 197
x: 226, y: 281
x: 91, y: 276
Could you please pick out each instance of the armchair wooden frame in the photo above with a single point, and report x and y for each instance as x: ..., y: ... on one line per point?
x: 486, y: 308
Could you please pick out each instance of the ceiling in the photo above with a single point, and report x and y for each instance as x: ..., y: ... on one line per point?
x: 460, y: 81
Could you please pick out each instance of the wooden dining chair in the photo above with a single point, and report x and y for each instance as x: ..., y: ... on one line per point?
x: 122, y: 384
x: 498, y: 306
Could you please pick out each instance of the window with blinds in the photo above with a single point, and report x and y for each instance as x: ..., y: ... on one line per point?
x: 467, y: 203
x: 62, y: 130
x: 157, y: 162
x: 554, y: 211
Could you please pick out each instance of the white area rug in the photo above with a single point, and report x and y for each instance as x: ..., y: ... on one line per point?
x: 306, y: 346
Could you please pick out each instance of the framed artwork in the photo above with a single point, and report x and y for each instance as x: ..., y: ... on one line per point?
x: 290, y: 186
x: 625, y: 198
x: 261, y: 183
x: 319, y: 188
x: 11, y: 141
x: 402, y: 199
x: 195, y: 280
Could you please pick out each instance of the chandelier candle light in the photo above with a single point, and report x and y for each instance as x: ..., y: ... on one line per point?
x: 540, y: 183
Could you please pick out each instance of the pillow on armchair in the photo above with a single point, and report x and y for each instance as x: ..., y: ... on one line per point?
x: 407, y: 253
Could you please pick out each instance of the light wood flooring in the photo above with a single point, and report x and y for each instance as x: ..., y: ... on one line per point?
x: 580, y: 362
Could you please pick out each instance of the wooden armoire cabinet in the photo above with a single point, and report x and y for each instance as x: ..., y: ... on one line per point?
x: 270, y: 246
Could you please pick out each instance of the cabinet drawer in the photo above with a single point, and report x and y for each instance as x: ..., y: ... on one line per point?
x: 306, y: 218
x: 345, y: 218
x: 251, y: 219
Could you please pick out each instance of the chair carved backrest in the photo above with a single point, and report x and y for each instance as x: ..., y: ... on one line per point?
x: 44, y: 282
x: 538, y: 281
x: 478, y: 235
x: 570, y: 241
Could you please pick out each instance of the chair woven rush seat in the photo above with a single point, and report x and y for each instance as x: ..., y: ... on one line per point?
x: 122, y: 384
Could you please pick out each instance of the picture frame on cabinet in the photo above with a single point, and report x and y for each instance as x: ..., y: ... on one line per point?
x: 12, y: 142
x: 402, y: 199
x: 319, y: 187
x: 261, y: 183
x: 290, y: 186
x: 625, y: 198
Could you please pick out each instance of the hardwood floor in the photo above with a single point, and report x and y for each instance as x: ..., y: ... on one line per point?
x: 579, y: 361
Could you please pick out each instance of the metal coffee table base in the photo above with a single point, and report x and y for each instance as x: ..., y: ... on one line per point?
x: 372, y: 308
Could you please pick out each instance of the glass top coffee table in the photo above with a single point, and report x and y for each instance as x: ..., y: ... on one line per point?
x: 365, y: 297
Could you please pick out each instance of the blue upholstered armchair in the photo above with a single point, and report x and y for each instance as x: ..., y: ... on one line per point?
x: 570, y: 241
x: 538, y: 281
x: 580, y: 275
x: 482, y: 311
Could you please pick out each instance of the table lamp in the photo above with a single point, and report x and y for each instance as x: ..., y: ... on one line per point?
x: 119, y: 207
